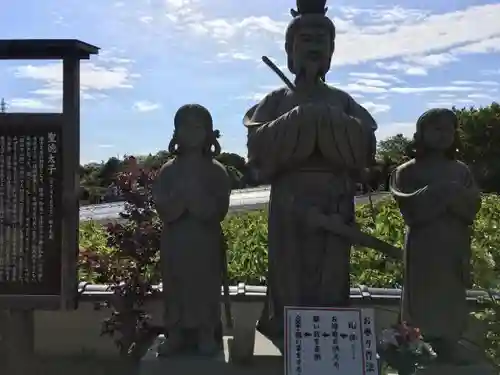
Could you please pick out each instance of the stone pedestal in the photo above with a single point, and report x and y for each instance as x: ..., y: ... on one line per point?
x: 17, y: 342
x: 458, y: 370
x: 266, y: 361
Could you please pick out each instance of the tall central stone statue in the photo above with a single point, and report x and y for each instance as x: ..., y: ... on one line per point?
x: 310, y: 141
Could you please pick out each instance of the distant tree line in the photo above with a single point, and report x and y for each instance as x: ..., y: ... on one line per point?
x: 97, y: 180
x: 480, y: 148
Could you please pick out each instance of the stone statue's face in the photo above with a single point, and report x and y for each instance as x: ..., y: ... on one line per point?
x: 191, y: 133
x: 312, y: 50
x: 439, y: 135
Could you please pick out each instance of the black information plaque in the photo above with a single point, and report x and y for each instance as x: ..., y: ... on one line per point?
x: 30, y: 209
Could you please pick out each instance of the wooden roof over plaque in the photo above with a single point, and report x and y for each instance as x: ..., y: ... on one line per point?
x: 45, y: 49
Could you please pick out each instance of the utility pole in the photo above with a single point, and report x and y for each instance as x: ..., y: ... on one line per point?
x: 3, y: 106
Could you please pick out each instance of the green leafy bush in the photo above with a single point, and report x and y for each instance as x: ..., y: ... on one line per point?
x: 95, y: 255
x: 486, y: 264
x: 246, y: 236
x: 247, y: 246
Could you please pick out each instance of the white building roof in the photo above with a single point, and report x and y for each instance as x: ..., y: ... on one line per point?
x: 241, y: 201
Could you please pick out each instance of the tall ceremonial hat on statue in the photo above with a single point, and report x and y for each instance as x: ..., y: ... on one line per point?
x: 308, y: 13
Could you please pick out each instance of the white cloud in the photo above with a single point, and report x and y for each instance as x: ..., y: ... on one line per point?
x: 440, y: 104
x: 422, y: 63
x: 491, y: 72
x: 234, y: 56
x: 358, y: 87
x: 363, y: 34
x: 465, y: 101
x: 481, y: 46
x: 256, y: 97
x: 431, y: 60
x: 415, y: 90
x: 376, y: 108
x: 94, y: 79
x: 372, y: 75
x: 145, y: 106
x: 388, y: 130
x: 407, y: 69
x: 479, y: 83
x: 421, y: 35
x: 146, y: 19
x: 481, y: 96
x: 392, y: 15
x: 373, y: 82
x: 29, y: 104
x: 418, y: 65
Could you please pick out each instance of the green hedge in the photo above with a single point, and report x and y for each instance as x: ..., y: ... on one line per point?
x: 247, y: 241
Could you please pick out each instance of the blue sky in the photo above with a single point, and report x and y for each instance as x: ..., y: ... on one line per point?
x: 396, y: 58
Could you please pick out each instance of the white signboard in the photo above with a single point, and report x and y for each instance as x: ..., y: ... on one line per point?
x: 330, y: 341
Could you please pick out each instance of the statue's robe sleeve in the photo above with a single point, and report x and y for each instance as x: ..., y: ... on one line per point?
x: 209, y: 198
x: 465, y: 206
x: 417, y: 205
x: 346, y: 133
x: 273, y: 138
x: 360, y: 113
x: 167, y: 193
x: 468, y: 201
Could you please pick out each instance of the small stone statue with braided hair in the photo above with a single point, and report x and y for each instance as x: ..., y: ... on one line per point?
x: 192, y: 194
x: 439, y: 201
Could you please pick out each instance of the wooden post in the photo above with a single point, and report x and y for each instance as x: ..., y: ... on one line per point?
x: 71, y: 178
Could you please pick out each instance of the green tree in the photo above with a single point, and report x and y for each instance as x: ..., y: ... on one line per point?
x: 393, y: 149
x: 480, y: 138
x: 232, y: 160
x: 107, y: 172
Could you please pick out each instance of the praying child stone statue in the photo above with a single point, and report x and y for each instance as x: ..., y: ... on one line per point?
x: 439, y: 201
x: 192, y: 194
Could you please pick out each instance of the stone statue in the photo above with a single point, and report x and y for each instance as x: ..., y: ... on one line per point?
x: 192, y: 198
x: 310, y: 141
x: 439, y: 200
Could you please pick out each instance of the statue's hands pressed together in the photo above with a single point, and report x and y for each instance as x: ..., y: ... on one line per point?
x: 319, y: 109
x: 444, y: 189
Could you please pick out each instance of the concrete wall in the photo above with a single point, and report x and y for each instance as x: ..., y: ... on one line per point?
x: 77, y: 332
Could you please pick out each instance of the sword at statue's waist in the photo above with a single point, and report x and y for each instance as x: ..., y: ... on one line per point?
x: 337, y: 226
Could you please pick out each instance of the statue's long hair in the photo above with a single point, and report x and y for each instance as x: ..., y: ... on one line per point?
x: 211, y: 146
x: 416, y: 148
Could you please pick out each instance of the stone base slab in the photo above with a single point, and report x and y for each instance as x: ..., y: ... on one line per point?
x: 266, y: 361
x: 458, y: 370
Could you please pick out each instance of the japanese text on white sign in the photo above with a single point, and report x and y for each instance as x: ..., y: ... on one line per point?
x: 330, y: 341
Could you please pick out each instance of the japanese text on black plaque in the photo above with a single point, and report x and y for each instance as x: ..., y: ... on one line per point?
x: 29, y: 189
